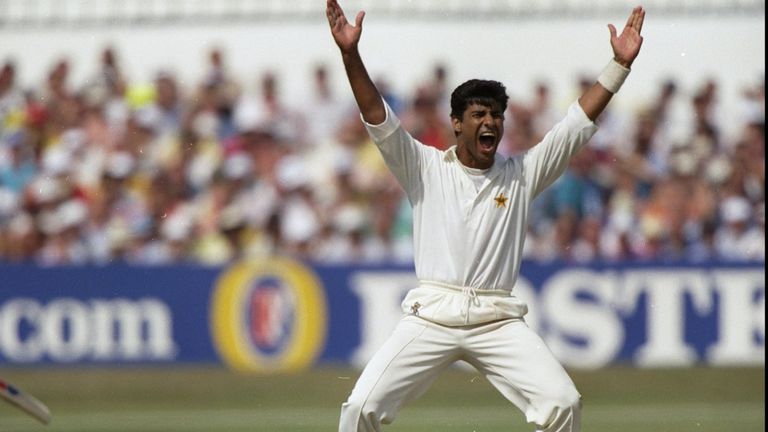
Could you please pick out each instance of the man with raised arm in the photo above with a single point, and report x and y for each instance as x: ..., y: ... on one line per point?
x: 470, y: 210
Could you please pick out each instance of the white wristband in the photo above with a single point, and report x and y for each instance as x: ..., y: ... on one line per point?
x: 613, y: 76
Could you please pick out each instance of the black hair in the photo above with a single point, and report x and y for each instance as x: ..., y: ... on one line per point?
x: 475, y: 91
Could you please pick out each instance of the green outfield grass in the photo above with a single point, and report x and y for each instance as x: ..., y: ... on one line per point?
x: 212, y: 399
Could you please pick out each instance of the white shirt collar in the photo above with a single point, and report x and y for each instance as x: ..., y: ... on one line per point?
x: 450, y: 155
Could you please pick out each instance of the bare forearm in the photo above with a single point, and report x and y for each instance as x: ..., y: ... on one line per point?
x: 366, y: 94
x: 594, y: 100
x: 347, y: 37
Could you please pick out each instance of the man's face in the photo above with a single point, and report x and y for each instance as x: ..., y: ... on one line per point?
x: 478, y: 133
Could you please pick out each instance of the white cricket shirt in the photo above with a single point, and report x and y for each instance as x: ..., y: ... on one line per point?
x: 468, y: 243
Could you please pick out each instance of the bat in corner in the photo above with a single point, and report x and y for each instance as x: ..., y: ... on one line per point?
x: 26, y: 402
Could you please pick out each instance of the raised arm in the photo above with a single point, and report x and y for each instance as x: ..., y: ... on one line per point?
x: 625, y: 46
x: 347, y: 37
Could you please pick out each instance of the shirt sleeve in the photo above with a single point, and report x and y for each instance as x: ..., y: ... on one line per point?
x: 380, y: 132
x: 547, y: 161
x: 403, y: 155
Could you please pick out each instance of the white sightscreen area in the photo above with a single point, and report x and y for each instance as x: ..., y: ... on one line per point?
x: 105, y: 12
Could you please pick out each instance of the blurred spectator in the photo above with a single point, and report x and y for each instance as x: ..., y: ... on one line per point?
x: 322, y: 111
x: 427, y: 122
x: 110, y: 75
x: 300, y: 221
x: 393, y: 99
x: 12, y: 103
x: 167, y: 104
x: 58, y: 83
x: 222, y: 92
x: 734, y: 239
x: 543, y: 112
x: 17, y: 162
x: 268, y: 112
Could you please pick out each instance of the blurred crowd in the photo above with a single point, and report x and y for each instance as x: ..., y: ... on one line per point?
x: 114, y: 171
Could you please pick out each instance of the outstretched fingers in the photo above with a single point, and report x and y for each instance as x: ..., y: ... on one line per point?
x: 635, y: 20
x: 630, y: 19
x: 639, y: 22
x: 335, y: 13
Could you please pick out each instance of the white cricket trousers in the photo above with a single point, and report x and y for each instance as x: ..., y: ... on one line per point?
x: 512, y: 357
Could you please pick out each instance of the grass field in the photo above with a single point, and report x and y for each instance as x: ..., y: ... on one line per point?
x: 212, y: 399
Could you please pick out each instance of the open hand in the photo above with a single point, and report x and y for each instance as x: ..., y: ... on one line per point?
x: 626, y: 46
x: 346, y: 35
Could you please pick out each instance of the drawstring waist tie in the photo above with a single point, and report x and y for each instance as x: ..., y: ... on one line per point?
x: 470, y: 293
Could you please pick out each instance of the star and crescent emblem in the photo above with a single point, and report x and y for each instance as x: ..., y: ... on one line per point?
x: 501, y: 200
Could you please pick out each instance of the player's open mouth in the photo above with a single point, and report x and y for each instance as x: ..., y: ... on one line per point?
x: 487, y: 141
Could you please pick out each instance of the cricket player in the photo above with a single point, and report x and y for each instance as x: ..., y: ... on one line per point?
x: 470, y: 210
